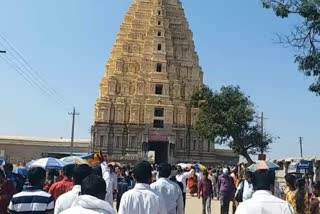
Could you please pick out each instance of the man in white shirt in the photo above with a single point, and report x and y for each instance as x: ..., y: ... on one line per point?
x: 170, y: 191
x: 114, y: 179
x: 66, y: 200
x: 110, y: 183
x: 182, y: 177
x: 142, y: 199
x: 91, y: 201
x: 262, y: 201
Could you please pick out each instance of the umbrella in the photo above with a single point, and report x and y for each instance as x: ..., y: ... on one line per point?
x: 21, y: 171
x: 29, y: 163
x: 88, y: 156
x: 114, y: 164
x: 185, y: 165
x: 47, y: 163
x: 263, y: 165
x: 2, y: 162
x: 200, y: 166
x: 73, y: 160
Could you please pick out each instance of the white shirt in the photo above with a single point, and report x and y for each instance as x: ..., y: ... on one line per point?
x: 183, y: 177
x: 247, y: 190
x: 263, y: 202
x: 199, y: 177
x: 114, y: 181
x: 66, y: 200
x: 142, y: 200
x: 87, y: 204
x: 108, y: 178
x: 171, y: 194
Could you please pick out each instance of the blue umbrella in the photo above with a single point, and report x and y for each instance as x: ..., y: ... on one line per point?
x: 2, y: 162
x: 88, y: 156
x: 47, y: 163
x: 263, y: 165
x: 21, y: 171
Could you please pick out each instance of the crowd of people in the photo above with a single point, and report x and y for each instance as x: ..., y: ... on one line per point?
x: 148, y: 189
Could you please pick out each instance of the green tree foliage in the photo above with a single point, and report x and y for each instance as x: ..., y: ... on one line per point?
x: 228, y: 117
x: 305, y: 37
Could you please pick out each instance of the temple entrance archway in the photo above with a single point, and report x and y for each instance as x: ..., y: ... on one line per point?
x: 161, y: 151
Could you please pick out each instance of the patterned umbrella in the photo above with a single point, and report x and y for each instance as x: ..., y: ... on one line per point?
x: 70, y: 160
x: 263, y: 165
x: 200, y: 167
x: 47, y: 163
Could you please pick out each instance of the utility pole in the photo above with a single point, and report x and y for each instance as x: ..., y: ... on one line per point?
x: 300, y: 142
x: 262, y: 118
x: 73, y: 113
x: 262, y: 131
x: 92, y: 132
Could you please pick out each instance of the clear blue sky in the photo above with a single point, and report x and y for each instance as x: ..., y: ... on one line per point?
x: 69, y: 43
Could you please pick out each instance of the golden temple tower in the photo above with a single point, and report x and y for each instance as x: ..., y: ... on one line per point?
x: 144, y: 101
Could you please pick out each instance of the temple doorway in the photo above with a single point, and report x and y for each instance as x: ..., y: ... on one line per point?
x: 161, y: 151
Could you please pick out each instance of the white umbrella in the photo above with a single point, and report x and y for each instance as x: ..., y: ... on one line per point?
x: 47, y: 163
x: 185, y: 165
x: 73, y: 160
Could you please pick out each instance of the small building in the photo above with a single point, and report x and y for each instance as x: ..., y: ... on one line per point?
x: 17, y: 149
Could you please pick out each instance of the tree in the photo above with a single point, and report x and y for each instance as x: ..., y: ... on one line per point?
x: 305, y: 37
x: 228, y: 117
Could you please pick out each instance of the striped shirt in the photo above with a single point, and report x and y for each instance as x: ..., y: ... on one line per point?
x: 32, y: 200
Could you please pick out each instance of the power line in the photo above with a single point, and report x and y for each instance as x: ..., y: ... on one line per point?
x: 25, y: 77
x: 25, y: 70
x: 30, y: 69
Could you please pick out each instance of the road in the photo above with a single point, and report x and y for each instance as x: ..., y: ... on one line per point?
x: 194, y: 206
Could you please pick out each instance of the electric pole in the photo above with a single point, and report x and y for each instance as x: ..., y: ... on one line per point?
x: 262, y: 118
x: 73, y: 113
x: 300, y: 142
x: 262, y: 131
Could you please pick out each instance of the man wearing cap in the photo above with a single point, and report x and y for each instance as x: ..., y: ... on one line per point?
x: 169, y: 190
x: 226, y: 190
x: 142, y: 199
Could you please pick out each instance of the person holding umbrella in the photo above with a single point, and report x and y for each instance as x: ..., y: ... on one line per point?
x: 262, y: 201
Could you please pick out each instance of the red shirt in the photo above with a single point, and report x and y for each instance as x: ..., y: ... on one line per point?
x: 7, y: 190
x: 205, y: 188
x: 61, y: 187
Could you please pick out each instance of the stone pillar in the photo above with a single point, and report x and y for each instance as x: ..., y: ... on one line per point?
x: 171, y: 149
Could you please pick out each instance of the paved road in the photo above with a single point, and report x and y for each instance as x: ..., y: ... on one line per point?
x: 194, y: 206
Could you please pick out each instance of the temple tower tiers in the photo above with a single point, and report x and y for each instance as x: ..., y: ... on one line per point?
x: 145, y: 93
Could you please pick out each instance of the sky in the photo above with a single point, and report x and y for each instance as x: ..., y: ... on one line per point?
x: 69, y: 42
